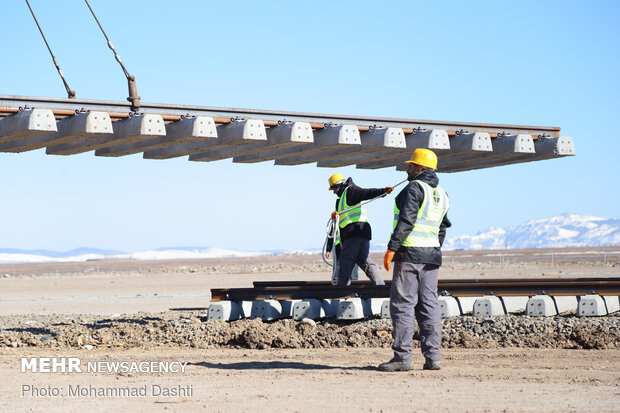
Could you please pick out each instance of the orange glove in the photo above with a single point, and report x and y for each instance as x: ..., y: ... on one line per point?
x: 388, y: 189
x: 334, y: 214
x: 389, y: 254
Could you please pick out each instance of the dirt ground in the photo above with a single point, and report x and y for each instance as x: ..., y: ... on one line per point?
x: 329, y: 380
x: 115, y: 287
x: 496, y: 374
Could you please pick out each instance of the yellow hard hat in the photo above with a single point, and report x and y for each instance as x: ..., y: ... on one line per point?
x: 334, y: 179
x: 424, y: 157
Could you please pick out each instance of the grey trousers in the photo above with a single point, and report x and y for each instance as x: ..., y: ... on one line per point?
x: 414, y: 296
x: 355, y: 251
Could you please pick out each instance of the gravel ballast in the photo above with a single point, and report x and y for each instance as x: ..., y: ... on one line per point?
x: 190, y: 329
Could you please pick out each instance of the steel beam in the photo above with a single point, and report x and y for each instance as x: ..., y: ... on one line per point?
x: 26, y: 123
x: 544, y: 148
x: 436, y: 140
x: 83, y: 125
x: 134, y: 129
x: 186, y: 130
x: 236, y: 133
x: 285, y: 135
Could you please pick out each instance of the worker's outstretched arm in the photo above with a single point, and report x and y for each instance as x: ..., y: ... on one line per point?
x: 408, y: 202
x: 355, y: 194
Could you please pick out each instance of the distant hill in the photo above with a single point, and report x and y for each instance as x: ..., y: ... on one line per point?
x: 12, y: 255
x: 566, y: 230
x: 57, y: 254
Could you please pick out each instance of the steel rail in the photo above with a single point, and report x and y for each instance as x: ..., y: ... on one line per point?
x: 473, y: 281
x: 65, y: 107
x: 458, y: 288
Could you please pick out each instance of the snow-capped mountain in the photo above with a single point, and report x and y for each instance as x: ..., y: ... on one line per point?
x: 59, y: 254
x: 10, y: 255
x: 566, y: 230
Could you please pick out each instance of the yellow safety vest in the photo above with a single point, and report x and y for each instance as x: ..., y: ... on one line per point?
x: 425, y: 231
x: 357, y: 214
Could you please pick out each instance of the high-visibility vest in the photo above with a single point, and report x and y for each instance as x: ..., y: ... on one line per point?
x: 425, y: 231
x: 357, y: 214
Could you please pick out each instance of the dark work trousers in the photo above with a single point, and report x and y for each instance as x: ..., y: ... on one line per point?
x: 414, y: 296
x: 336, y: 268
x: 355, y: 251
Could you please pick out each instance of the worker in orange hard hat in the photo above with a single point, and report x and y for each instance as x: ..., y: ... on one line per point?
x: 355, y: 231
x: 419, y: 228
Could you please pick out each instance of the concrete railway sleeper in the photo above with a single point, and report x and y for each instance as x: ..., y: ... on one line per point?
x: 269, y: 300
x: 162, y: 131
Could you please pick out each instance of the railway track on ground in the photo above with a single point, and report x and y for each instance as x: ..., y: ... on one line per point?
x: 295, y: 290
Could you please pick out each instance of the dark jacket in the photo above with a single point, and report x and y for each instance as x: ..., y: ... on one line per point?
x: 355, y: 195
x: 408, y: 202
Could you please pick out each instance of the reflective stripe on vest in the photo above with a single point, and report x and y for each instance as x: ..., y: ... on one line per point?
x: 425, y: 231
x: 357, y: 214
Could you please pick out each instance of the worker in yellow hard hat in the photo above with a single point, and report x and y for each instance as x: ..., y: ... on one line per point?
x: 335, y: 180
x: 419, y: 228
x: 355, y: 231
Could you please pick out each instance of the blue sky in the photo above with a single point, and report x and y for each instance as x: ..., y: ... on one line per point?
x: 552, y: 63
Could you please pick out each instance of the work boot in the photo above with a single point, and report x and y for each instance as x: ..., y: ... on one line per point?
x: 394, y: 365
x: 431, y: 365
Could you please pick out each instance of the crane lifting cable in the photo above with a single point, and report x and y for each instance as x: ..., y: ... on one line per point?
x: 70, y: 93
x: 131, y: 80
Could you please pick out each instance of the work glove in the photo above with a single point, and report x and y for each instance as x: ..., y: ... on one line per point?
x: 388, y: 189
x: 334, y: 214
x: 387, y: 259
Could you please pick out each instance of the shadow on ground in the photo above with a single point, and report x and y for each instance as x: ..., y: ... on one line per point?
x: 275, y: 365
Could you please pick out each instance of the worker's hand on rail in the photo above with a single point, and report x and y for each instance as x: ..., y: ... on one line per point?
x: 334, y: 214
x: 388, y: 189
x: 328, y: 254
x: 389, y: 255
